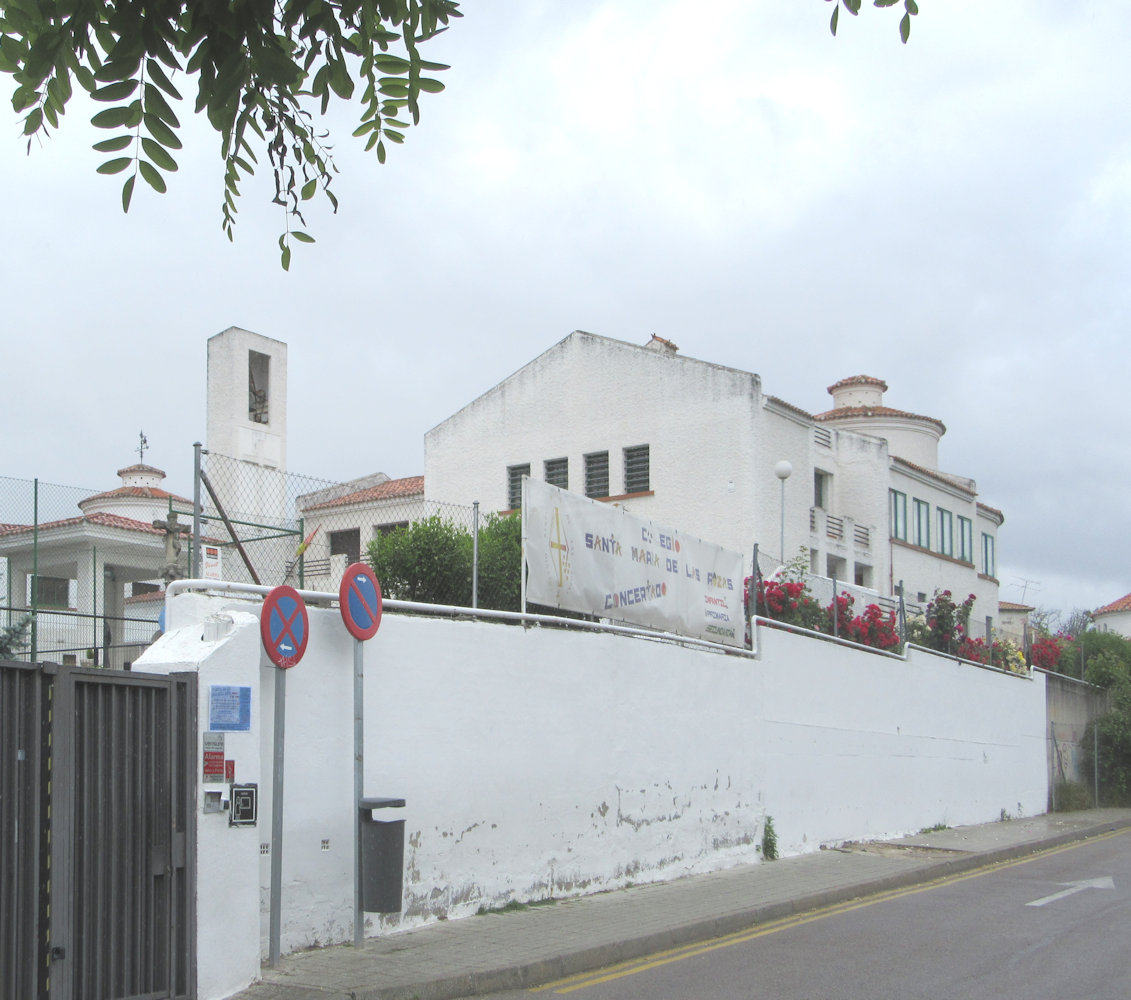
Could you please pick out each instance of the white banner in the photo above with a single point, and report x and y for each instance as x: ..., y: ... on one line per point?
x: 594, y: 558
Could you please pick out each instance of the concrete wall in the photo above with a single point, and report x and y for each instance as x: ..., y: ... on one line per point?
x: 540, y: 762
x: 1072, y: 704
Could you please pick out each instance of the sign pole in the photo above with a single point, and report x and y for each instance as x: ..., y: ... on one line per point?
x: 277, y: 816
x: 284, y: 627
x: 358, y: 776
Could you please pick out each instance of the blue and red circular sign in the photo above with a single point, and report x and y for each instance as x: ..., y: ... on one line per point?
x: 359, y: 599
x: 284, y: 626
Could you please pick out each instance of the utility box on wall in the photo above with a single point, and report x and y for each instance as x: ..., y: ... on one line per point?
x: 382, y: 857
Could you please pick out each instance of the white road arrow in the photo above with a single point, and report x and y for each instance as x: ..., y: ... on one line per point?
x: 1073, y: 888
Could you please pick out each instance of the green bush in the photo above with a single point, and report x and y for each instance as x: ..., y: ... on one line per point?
x: 500, y: 562
x: 428, y: 561
x: 1070, y: 796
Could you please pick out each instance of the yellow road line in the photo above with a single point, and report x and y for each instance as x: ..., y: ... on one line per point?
x: 583, y: 980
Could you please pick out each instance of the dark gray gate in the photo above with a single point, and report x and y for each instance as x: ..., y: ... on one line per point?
x: 97, y: 786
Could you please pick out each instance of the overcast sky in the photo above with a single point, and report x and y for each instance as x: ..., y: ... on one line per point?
x: 950, y: 216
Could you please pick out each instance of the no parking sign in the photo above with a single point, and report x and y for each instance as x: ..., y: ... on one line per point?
x: 284, y: 626
x: 359, y: 599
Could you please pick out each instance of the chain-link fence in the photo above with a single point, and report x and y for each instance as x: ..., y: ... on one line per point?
x: 81, y: 572
x: 263, y: 525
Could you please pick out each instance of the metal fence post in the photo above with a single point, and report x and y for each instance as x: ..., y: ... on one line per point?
x: 196, y: 451
x: 475, y: 553
x: 34, y: 571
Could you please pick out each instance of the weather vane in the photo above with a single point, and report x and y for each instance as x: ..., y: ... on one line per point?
x: 143, y: 443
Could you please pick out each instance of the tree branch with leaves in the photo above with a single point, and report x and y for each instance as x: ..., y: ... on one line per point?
x: 261, y: 69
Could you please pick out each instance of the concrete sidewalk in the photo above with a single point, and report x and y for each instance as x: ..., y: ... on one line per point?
x: 532, y: 946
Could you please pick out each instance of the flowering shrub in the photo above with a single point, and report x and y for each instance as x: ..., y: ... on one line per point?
x: 1045, y: 650
x: 789, y: 600
x: 1000, y: 653
x: 945, y: 625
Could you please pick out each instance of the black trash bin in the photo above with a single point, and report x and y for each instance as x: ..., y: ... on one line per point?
x: 382, y: 857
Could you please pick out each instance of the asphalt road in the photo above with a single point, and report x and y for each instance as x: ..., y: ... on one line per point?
x: 1051, y: 927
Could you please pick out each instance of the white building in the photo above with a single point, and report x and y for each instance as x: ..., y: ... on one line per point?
x: 1115, y: 617
x: 695, y: 445
x: 88, y: 575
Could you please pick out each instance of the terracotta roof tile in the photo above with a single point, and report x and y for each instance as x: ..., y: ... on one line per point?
x: 147, y: 492
x: 1010, y: 606
x: 855, y: 412
x: 934, y: 474
x: 394, y: 489
x: 102, y: 519
x: 1123, y: 604
x: 879, y: 383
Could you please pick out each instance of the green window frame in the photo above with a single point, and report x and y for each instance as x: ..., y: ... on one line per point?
x: 946, y: 531
x: 898, y: 515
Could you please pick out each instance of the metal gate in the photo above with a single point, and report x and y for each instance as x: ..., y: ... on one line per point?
x: 97, y: 807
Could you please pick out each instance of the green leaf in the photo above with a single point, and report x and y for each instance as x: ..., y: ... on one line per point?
x: 152, y: 177
x: 157, y: 75
x: 430, y: 86
x: 286, y: 258
x: 112, y: 117
x: 155, y: 104
x: 387, y: 63
x: 114, y: 92
x: 128, y: 192
x: 302, y: 237
x: 309, y: 189
x: 115, y: 166
x: 158, y: 154
x: 33, y: 121
x: 835, y: 18
x: 380, y: 152
x: 911, y: 6
x: 113, y: 145
x: 161, y: 132
x: 118, y: 69
x: 905, y: 28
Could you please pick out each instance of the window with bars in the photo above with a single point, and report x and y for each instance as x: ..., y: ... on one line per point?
x: 597, y: 474
x: 557, y: 472
x: 346, y: 543
x: 514, y: 484
x: 52, y: 591
x: 636, y: 469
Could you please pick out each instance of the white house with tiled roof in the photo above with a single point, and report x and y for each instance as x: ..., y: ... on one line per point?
x: 346, y: 518
x: 694, y: 445
x: 1115, y: 617
x: 97, y: 560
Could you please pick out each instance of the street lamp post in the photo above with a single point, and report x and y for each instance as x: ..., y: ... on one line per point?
x: 783, y: 470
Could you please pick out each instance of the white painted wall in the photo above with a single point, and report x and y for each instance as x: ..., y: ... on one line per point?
x: 539, y: 762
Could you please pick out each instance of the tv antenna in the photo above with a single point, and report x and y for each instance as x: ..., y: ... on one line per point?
x: 143, y: 443
x: 1025, y: 584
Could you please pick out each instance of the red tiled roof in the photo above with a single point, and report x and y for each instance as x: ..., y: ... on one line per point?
x: 855, y: 412
x: 153, y: 595
x: 1010, y: 606
x: 147, y: 492
x: 663, y: 343
x: 393, y: 489
x: 859, y: 380
x: 102, y: 519
x: 1123, y: 604
x: 142, y: 469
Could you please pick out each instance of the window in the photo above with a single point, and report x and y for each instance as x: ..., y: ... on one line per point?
x: 922, y: 511
x: 989, y: 562
x: 346, y: 543
x: 597, y: 474
x: 557, y: 472
x: 52, y: 592
x: 380, y: 530
x: 946, y: 531
x: 822, y: 484
x: 514, y: 484
x: 899, y: 515
x: 636, y: 469
x: 965, y: 539
x: 258, y: 373
x: 137, y: 588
